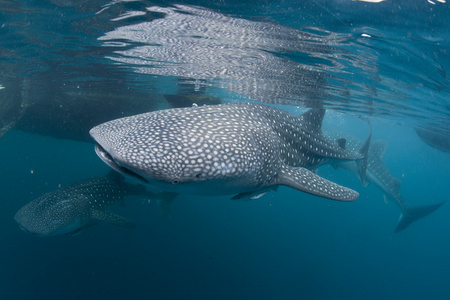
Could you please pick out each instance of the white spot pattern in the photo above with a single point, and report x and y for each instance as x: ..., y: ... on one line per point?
x: 244, y: 144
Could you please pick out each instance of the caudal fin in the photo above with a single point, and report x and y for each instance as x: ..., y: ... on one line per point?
x: 414, y: 213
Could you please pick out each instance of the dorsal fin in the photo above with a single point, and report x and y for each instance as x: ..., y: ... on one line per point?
x: 364, y: 151
x: 312, y: 119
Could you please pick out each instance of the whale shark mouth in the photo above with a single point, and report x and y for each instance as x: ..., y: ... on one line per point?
x: 109, y: 160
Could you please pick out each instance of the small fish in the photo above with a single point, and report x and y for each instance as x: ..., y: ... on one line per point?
x: 79, y: 205
x: 234, y: 148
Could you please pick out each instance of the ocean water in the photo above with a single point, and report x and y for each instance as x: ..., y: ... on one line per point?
x: 66, y: 66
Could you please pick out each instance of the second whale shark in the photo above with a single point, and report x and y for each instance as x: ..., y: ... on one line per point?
x: 235, y: 148
x: 74, y: 207
x: 379, y: 175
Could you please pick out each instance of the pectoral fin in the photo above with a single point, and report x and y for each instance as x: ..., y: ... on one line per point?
x: 164, y: 203
x: 247, y: 196
x: 109, y: 217
x: 306, y: 181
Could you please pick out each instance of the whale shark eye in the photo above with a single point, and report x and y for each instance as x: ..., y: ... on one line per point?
x: 198, y: 175
x: 175, y: 181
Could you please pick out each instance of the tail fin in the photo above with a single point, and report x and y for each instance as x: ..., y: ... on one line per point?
x: 414, y: 213
x: 364, y: 150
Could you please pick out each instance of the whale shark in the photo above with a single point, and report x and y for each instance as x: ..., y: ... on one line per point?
x: 233, y: 148
x: 437, y: 138
x: 379, y: 175
x: 72, y: 208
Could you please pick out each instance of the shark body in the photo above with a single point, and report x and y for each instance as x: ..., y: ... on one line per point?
x: 76, y: 206
x: 437, y: 138
x: 379, y: 175
x: 236, y: 148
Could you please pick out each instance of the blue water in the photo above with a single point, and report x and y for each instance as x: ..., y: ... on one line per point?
x: 66, y: 66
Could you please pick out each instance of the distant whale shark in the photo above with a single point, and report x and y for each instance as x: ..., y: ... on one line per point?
x: 79, y: 205
x: 378, y: 174
x: 236, y: 148
x: 436, y: 138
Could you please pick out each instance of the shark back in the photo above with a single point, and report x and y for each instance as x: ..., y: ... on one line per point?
x: 379, y: 174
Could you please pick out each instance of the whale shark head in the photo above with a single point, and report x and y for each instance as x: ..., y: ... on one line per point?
x: 71, y: 208
x: 188, y: 149
x: 48, y: 216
